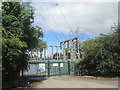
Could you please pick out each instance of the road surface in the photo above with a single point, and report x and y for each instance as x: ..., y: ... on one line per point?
x: 76, y: 82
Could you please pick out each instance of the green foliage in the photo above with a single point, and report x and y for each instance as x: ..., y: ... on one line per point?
x: 60, y: 56
x: 101, y: 55
x: 19, y: 37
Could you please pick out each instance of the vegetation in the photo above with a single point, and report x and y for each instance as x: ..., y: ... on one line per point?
x: 59, y: 55
x: 19, y: 37
x: 101, y: 55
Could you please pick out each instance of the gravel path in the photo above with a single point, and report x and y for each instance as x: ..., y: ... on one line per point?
x: 76, y: 82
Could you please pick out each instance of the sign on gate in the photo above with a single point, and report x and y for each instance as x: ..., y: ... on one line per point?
x: 61, y: 64
x: 41, y: 67
x: 55, y: 64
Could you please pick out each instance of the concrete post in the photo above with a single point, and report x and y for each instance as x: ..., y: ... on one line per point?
x: 52, y: 53
x: 57, y: 53
x: 78, y: 49
x: 74, y: 51
x: 64, y: 54
x: 44, y: 53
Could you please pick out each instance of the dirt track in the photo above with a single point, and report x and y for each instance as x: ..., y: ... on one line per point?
x: 76, y: 82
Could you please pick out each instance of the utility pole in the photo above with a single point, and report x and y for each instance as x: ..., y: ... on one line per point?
x: 77, y: 32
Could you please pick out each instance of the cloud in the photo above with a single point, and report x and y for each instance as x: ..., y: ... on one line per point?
x: 90, y: 18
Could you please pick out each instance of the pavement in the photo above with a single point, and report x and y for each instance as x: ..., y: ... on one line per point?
x: 76, y: 82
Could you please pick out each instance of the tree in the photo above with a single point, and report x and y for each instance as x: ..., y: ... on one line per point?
x: 101, y: 55
x: 19, y: 37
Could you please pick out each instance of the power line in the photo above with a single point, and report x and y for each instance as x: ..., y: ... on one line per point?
x: 47, y: 24
x: 63, y: 35
x: 65, y: 18
x: 52, y: 16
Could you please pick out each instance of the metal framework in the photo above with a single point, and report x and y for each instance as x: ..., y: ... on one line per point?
x: 70, y: 48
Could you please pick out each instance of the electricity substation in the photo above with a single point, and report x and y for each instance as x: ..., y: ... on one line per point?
x: 58, y: 63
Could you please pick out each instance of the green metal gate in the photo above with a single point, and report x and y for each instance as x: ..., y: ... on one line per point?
x: 51, y: 68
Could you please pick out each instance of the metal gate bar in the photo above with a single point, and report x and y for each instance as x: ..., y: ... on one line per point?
x: 51, y: 68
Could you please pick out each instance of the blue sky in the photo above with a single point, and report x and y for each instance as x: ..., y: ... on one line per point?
x: 63, y: 20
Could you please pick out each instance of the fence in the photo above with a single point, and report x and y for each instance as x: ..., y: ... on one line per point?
x: 50, y: 68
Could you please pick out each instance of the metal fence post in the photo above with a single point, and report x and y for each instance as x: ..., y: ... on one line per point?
x: 68, y: 67
x: 59, y: 68
x: 48, y: 68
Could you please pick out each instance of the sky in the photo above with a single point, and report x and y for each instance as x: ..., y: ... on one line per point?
x: 63, y: 19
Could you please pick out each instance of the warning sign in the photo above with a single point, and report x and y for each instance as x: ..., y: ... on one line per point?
x: 61, y: 64
x: 55, y: 64
x: 41, y: 67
